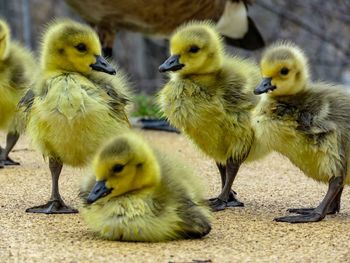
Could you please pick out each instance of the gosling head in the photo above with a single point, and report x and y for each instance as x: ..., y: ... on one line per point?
x: 4, y: 39
x: 73, y: 47
x: 126, y: 164
x: 285, y: 70
x: 195, y: 48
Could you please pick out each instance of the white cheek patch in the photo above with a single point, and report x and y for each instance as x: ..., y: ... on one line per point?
x: 234, y: 21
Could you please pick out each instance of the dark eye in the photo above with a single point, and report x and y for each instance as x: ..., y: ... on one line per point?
x: 81, y: 47
x: 193, y: 49
x: 117, y: 168
x: 284, y: 71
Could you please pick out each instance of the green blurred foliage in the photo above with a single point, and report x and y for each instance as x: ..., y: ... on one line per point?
x: 145, y: 106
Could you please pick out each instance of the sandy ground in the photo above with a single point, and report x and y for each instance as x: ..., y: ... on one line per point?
x: 248, y: 234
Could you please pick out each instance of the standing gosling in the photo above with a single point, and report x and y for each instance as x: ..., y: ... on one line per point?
x: 139, y: 194
x: 17, y: 69
x: 306, y: 121
x: 210, y: 97
x: 75, y: 107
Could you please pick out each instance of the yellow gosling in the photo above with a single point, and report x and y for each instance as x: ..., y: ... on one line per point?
x: 17, y: 72
x: 306, y: 121
x: 75, y: 105
x: 210, y: 98
x: 139, y: 194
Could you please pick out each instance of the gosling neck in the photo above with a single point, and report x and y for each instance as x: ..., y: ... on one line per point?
x: 209, y: 69
x: 207, y: 78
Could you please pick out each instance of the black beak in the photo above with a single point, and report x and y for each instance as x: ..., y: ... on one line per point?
x: 264, y: 87
x: 171, y: 64
x: 98, y: 191
x: 102, y: 65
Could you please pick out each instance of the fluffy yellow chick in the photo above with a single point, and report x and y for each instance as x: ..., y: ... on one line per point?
x: 210, y: 97
x: 306, y: 121
x: 17, y: 69
x: 140, y: 194
x: 76, y: 105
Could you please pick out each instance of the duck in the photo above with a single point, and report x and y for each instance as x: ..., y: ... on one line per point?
x: 137, y: 193
x: 209, y: 97
x: 17, y: 71
x: 306, y: 121
x: 161, y: 17
x: 78, y: 102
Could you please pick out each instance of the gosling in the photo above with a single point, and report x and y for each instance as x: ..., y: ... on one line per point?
x: 139, y: 194
x: 210, y: 98
x: 306, y: 121
x: 17, y: 72
x: 76, y: 106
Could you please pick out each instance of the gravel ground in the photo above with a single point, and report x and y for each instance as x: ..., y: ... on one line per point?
x: 248, y: 234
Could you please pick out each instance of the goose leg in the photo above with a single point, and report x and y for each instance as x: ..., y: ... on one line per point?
x: 335, y: 188
x: 222, y: 170
x: 333, y: 208
x: 11, y: 140
x: 232, y: 196
x: 55, y: 204
x: 232, y: 201
x: 227, y: 197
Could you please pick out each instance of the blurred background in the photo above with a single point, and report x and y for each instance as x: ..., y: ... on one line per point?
x: 321, y: 27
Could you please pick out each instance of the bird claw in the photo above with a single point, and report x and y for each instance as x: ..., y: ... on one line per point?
x: 52, y: 207
x: 304, y: 218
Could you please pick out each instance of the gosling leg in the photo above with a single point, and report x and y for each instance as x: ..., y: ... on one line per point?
x: 222, y: 170
x: 11, y: 140
x: 232, y: 201
x: 2, y: 165
x: 335, y: 187
x: 55, y: 204
x: 224, y: 200
x: 333, y: 208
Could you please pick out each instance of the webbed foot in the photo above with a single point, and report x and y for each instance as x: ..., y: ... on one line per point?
x: 332, y: 210
x: 9, y: 161
x: 218, y: 204
x: 301, y: 211
x: 304, y: 218
x: 52, y: 207
x: 233, y: 201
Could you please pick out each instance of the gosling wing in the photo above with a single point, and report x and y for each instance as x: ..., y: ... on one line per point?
x: 117, y: 102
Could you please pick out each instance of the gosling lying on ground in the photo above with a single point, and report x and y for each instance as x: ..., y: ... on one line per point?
x: 139, y: 194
